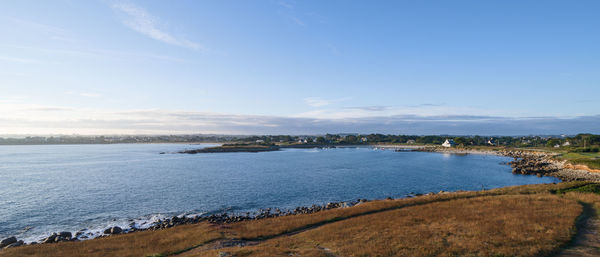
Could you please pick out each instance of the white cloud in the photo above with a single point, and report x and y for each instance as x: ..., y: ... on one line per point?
x: 42, y: 119
x: 319, y: 102
x: 143, y: 22
x: 324, y: 109
x: 316, y: 101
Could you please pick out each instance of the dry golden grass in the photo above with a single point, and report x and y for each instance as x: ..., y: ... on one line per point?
x: 188, y: 236
x: 518, y: 225
x: 269, y: 227
x: 134, y: 244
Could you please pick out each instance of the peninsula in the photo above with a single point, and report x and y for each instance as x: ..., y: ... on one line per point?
x: 233, y: 148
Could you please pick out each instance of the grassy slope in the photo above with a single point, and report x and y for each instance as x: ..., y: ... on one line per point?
x: 510, y: 225
x: 592, y: 160
x: 443, y: 220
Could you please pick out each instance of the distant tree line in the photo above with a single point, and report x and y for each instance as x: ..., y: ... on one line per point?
x: 586, y: 141
x: 37, y: 140
x: 580, y: 142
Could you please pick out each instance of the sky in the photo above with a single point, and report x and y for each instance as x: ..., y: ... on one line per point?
x: 299, y: 67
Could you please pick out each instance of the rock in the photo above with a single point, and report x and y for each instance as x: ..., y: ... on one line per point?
x: 15, y: 244
x: 7, y: 241
x: 65, y: 234
x: 50, y: 239
x: 116, y: 230
x: 346, y: 204
x: 112, y: 231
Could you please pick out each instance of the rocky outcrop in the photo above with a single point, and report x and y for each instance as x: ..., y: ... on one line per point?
x: 58, y: 237
x: 8, y: 241
x: 543, y: 164
x: 539, y: 166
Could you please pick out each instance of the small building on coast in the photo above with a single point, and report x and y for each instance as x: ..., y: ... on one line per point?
x: 448, y: 143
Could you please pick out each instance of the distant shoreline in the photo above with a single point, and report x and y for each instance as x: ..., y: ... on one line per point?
x: 125, y: 143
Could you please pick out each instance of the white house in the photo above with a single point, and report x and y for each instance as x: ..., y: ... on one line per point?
x: 449, y: 143
x: 567, y: 143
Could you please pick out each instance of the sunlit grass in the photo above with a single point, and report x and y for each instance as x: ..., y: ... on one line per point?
x: 344, y: 230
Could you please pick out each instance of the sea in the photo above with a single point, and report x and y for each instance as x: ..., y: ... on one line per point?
x: 53, y: 188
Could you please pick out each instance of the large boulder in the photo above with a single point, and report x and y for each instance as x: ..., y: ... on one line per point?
x: 15, y: 244
x: 50, y: 239
x: 65, y: 234
x: 114, y: 230
x: 7, y: 241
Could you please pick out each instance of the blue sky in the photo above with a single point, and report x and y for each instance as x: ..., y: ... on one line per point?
x: 105, y: 67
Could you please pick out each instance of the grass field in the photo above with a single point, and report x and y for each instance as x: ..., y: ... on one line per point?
x: 532, y: 220
x: 592, y: 160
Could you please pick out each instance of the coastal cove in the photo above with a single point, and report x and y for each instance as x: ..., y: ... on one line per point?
x: 75, y: 187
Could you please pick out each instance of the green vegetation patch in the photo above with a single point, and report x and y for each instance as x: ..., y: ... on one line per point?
x: 592, y: 164
x: 590, y: 188
x: 590, y: 159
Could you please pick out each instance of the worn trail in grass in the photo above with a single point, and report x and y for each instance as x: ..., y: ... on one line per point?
x: 480, y: 226
x: 530, y: 220
x: 587, y: 240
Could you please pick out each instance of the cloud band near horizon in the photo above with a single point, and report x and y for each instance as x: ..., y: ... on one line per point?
x: 20, y: 119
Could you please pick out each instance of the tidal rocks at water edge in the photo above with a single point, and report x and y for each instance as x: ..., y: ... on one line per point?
x: 8, y: 241
x: 113, y: 231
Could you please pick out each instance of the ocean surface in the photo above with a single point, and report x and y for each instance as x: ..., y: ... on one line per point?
x: 51, y: 188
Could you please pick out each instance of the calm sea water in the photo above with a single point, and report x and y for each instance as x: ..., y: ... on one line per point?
x: 50, y: 188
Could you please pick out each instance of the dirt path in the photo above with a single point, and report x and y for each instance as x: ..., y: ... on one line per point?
x: 228, y: 242
x: 587, y: 240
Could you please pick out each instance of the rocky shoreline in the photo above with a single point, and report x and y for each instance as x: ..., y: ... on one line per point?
x: 223, y: 218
